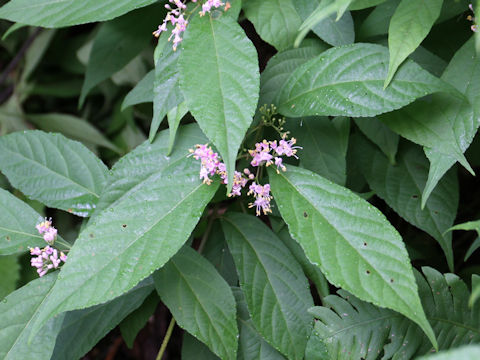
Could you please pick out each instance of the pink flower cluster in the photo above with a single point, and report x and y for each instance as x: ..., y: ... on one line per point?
x: 48, y: 257
x: 176, y: 16
x: 269, y: 152
x: 265, y: 153
x: 474, y: 27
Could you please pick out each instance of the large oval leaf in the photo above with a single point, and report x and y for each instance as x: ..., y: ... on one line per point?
x: 61, y: 13
x: 18, y: 312
x: 352, y: 242
x: 275, y: 288
x: 401, y: 186
x: 229, y: 78
x: 52, y: 169
x: 410, y: 24
x: 131, y: 238
x: 200, y: 300
x: 348, y: 81
x: 276, y: 21
x: 17, y: 225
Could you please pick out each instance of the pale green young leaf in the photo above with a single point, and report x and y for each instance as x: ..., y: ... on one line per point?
x: 10, y: 272
x: 116, y: 44
x: 72, y: 127
x: 348, y: 81
x: 200, y: 300
x: 18, y: 312
x: 229, y: 79
x: 54, y: 170
x: 96, y: 321
x: 17, y: 225
x: 62, y: 13
x: 475, y: 290
x: 350, y: 240
x: 275, y: 288
x: 109, y: 257
x: 251, y: 345
x: 174, y: 116
x: 276, y: 21
x: 401, y: 187
x: 141, y: 93
x: 333, y: 32
x: 380, y: 135
x: 166, y: 89
x: 136, y: 321
x: 323, y: 151
x: 410, y: 24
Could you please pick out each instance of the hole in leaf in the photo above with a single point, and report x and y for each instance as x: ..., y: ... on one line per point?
x: 365, y: 244
x: 8, y: 238
x: 414, y: 196
x: 368, y: 272
x: 391, y: 280
x: 124, y: 225
x: 305, y: 215
x: 92, y: 236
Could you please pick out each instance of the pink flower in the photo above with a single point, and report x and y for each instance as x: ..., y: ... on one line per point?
x: 279, y: 164
x: 262, y: 198
x: 287, y: 148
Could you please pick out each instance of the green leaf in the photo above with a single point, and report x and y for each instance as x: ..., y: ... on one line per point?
x: 113, y: 245
x: 377, y: 22
x: 194, y: 349
x: 353, y: 329
x: 410, y: 24
x: 82, y: 329
x: 312, y: 271
x: 323, y: 151
x: 147, y: 160
x: 67, y: 12
x: 401, y: 187
x: 463, y: 72
x: 475, y: 290
x: 225, y: 110
x: 276, y: 21
x: 17, y: 225
x: 251, y: 344
x: 18, y: 312
x: 364, y: 4
x: 134, y: 322
x: 281, y: 65
x: 468, y: 352
x: 116, y: 44
x: 166, y: 88
x: 10, y: 270
x: 200, y: 300
x: 350, y: 240
x: 52, y: 169
x: 381, y: 135
x: 470, y: 225
x: 73, y: 128
x: 174, y: 116
x: 273, y: 282
x: 141, y: 93
x: 348, y: 81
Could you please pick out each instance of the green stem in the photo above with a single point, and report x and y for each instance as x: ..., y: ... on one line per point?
x: 207, y: 232
x: 63, y: 243
x: 166, y: 339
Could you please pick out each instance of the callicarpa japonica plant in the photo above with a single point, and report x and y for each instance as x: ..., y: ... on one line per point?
x: 303, y: 187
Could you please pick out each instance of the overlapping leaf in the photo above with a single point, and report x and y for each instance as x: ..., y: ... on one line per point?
x: 142, y: 92
x: 52, y: 169
x: 229, y: 69
x: 351, y: 328
x: 381, y: 135
x: 17, y: 225
x: 276, y: 21
x: 200, y: 300
x: 10, y: 270
x: 116, y: 44
x: 275, y: 288
x: 410, y: 24
x: 251, y: 344
x: 18, y: 313
x: 348, y: 81
x: 96, y: 322
x: 333, y: 32
x: 401, y: 187
x: 135, y: 235
x: 66, y: 12
x: 352, y: 242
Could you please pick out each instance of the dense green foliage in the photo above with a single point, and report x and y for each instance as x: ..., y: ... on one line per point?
x: 336, y: 140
